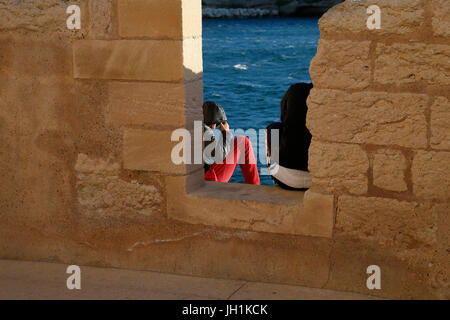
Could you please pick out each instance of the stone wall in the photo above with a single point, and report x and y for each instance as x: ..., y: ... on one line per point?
x: 85, y: 123
x: 379, y: 115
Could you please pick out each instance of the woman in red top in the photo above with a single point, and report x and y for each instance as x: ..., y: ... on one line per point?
x: 223, y: 155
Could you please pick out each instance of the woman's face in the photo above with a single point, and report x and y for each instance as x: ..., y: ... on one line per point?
x: 213, y: 126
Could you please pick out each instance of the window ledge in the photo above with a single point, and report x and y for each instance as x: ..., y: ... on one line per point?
x: 247, y: 192
x: 249, y: 207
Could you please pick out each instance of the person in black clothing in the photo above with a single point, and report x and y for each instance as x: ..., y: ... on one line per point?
x: 290, y: 170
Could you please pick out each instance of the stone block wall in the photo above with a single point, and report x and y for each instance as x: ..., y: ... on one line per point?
x: 85, y: 123
x: 379, y: 115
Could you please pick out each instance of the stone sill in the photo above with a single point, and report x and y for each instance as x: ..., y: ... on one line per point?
x: 252, y: 208
x: 237, y: 191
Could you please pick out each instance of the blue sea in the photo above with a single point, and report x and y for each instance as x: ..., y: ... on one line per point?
x: 249, y: 64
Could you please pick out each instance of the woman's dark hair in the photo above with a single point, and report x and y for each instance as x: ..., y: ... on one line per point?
x: 295, y: 137
x: 213, y: 113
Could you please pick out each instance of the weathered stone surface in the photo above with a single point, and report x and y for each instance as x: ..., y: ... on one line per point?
x: 441, y: 17
x: 440, y: 124
x: 249, y: 207
x: 441, y: 214
x: 48, y: 205
x: 194, y: 98
x: 46, y: 60
x: 368, y: 117
x: 431, y: 175
x: 26, y: 17
x: 397, y: 17
x: 341, y: 65
x: 46, y: 119
x: 158, y: 60
x: 170, y: 246
x: 149, y: 150
x: 102, y: 193
x: 401, y: 277
x: 389, y: 170
x: 321, y: 206
x: 101, y: 16
x: 402, y: 63
x: 159, y: 19
x: 156, y: 19
x: 153, y: 104
x: 440, y: 275
x: 338, y: 167
x: 389, y: 222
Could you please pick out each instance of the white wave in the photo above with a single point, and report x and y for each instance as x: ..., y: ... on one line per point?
x: 251, y: 85
x: 240, y: 67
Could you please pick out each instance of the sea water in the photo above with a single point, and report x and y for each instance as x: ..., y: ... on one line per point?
x: 249, y: 64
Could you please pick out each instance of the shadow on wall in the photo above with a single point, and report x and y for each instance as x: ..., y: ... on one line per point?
x: 194, y: 96
x: 190, y: 75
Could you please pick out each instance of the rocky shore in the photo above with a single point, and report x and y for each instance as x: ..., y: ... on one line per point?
x: 264, y: 8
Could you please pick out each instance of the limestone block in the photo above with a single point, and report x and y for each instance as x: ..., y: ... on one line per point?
x: 401, y: 278
x: 397, y: 17
x: 44, y: 20
x: 194, y: 98
x: 249, y: 207
x: 441, y: 17
x: 102, y: 193
x: 192, y: 18
x: 44, y: 58
x: 192, y: 59
x: 431, y: 175
x: 440, y: 124
x: 149, y: 150
x: 160, y: 19
x: 368, y: 117
x: 341, y: 65
x: 389, y: 222
x: 320, y: 206
x: 441, y: 213
x: 153, y: 103
x: 389, y: 170
x: 401, y: 63
x: 102, y: 19
x: 338, y: 167
x: 157, y: 60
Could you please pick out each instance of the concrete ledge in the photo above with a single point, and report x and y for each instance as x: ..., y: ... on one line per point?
x: 248, y: 207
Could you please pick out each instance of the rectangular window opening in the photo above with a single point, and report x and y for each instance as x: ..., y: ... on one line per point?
x: 249, y: 64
